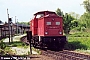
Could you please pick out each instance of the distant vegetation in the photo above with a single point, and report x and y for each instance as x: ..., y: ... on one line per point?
x: 77, y: 28
x: 73, y: 21
x: 26, y: 23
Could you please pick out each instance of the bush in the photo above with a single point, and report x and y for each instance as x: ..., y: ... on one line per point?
x: 2, y: 45
x: 17, y: 43
x: 83, y: 29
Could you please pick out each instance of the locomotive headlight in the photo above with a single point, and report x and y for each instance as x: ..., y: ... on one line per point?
x: 60, y: 32
x: 46, y: 32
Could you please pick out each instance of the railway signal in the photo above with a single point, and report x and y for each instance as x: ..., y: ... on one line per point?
x: 10, y: 29
x: 29, y: 37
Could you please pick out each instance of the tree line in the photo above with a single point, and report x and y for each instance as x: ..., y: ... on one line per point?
x: 75, y: 21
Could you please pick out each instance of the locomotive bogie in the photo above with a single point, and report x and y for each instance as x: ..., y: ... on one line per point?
x: 54, y: 42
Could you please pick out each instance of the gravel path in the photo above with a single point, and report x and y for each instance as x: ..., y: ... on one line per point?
x: 22, y: 51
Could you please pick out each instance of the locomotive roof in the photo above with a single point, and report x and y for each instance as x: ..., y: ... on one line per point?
x: 43, y: 12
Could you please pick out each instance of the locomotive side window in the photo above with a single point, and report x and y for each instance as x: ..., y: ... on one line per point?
x: 48, y: 23
x: 57, y: 23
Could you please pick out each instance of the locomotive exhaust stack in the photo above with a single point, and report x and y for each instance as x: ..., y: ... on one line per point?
x: 47, y: 30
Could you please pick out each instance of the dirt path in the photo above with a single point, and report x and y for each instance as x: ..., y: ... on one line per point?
x: 19, y: 50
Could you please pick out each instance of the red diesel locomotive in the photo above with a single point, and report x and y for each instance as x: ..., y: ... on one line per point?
x: 47, y: 30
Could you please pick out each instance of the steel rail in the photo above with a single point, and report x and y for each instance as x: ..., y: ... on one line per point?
x: 66, y: 55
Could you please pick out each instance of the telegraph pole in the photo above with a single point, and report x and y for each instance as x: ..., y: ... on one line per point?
x: 8, y: 25
x: 11, y: 33
x: 15, y: 19
x: 17, y: 26
x: 11, y: 24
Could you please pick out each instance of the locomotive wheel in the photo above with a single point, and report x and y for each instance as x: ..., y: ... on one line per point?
x: 55, y: 46
x: 41, y: 45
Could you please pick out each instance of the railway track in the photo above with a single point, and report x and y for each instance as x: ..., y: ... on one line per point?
x: 24, y: 40
x: 63, y: 55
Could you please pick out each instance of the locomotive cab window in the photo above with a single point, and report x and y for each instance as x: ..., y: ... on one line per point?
x: 57, y: 23
x: 48, y: 23
x: 39, y: 15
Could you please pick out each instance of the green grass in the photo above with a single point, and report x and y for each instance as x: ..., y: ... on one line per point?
x: 80, y: 34
x: 17, y: 43
x: 79, y: 41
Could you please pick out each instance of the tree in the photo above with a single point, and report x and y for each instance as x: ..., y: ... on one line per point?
x: 26, y: 23
x: 74, y: 23
x: 85, y: 20
x: 75, y: 15
x: 86, y: 4
x: 58, y: 12
x: 68, y: 23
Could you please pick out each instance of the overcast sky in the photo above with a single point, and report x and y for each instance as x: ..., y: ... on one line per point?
x: 24, y: 9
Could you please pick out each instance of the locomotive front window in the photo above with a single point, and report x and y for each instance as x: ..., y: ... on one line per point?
x: 39, y: 15
x: 48, y: 23
x: 57, y: 23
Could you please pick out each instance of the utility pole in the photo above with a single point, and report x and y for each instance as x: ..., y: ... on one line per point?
x: 11, y: 28
x: 8, y: 25
x: 17, y: 26
x: 15, y: 19
x: 11, y: 32
x: 22, y: 29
